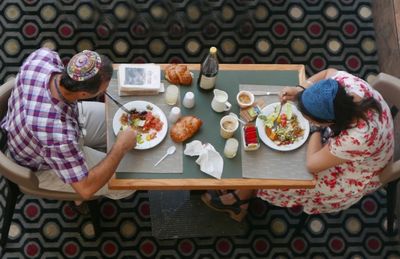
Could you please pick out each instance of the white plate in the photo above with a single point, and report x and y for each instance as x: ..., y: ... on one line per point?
x: 142, y: 106
x: 304, y: 124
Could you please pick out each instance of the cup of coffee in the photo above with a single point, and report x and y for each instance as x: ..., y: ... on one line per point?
x: 228, y: 125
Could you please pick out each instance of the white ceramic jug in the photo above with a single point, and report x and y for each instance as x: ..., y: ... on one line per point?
x: 220, y: 101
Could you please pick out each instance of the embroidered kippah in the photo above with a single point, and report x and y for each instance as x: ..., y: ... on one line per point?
x: 319, y: 98
x: 84, y: 65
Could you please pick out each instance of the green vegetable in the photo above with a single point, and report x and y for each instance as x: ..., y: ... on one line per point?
x: 139, y: 139
x: 289, y: 112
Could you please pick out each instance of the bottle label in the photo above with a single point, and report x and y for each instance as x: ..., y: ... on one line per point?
x: 207, y: 82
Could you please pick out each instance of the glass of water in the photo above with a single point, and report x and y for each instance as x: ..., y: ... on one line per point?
x: 171, y: 94
x: 231, y: 147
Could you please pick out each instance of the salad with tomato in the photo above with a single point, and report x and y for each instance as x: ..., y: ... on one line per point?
x: 288, y: 129
x: 145, y: 122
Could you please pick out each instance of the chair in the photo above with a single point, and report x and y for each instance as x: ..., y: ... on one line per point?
x: 389, y: 87
x: 21, y: 180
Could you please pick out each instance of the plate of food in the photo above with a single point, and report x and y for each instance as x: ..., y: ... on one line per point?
x: 292, y: 129
x: 147, y: 118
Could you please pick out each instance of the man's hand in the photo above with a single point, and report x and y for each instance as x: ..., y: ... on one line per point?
x: 126, y: 139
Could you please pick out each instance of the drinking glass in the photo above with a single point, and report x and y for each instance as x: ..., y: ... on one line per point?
x: 231, y: 147
x: 171, y: 94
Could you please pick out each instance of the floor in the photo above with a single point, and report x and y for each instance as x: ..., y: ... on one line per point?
x: 316, y: 33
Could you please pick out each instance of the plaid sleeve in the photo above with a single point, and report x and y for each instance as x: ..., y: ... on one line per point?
x: 67, y: 160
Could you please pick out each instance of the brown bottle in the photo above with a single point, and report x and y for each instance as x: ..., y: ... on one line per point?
x: 208, y: 71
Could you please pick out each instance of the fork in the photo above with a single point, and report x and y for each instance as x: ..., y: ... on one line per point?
x: 118, y: 103
x: 276, y: 119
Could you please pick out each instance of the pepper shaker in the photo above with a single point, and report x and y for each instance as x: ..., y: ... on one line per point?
x: 188, y: 100
x: 174, y: 114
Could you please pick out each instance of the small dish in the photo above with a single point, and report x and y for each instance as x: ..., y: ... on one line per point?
x: 250, y: 137
x: 245, y: 99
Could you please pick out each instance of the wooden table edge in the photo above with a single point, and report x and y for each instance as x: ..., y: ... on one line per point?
x: 205, y: 184
x: 239, y: 183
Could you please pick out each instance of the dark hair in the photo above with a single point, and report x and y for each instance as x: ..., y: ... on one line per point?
x: 346, y: 110
x: 91, y: 85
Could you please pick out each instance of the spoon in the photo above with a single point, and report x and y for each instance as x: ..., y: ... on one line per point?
x: 237, y: 117
x: 170, y: 151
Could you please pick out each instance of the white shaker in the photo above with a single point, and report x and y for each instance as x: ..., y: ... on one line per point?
x: 174, y: 114
x: 188, y: 100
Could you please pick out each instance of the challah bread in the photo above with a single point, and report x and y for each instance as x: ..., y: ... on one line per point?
x: 185, y: 128
x: 178, y: 74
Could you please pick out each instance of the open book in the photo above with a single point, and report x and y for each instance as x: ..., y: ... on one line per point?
x: 139, y: 78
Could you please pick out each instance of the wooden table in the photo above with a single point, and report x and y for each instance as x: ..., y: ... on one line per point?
x: 273, y: 74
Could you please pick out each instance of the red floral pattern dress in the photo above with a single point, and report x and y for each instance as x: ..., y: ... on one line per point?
x: 368, y: 149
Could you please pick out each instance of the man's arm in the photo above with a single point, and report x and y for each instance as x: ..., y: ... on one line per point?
x: 100, y: 174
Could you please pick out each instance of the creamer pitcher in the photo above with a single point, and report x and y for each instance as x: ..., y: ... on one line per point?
x: 220, y: 101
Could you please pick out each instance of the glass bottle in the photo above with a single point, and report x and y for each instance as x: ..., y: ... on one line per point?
x: 208, y: 71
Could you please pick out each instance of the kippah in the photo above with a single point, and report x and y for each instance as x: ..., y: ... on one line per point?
x: 319, y: 98
x: 84, y: 65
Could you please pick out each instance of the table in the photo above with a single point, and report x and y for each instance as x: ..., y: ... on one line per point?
x: 231, y: 75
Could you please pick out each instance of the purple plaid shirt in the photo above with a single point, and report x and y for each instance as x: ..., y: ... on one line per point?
x: 43, y: 133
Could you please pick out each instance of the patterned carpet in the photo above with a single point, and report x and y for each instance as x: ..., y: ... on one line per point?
x: 317, y: 33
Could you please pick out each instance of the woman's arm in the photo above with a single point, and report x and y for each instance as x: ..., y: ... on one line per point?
x: 289, y: 93
x: 319, y: 157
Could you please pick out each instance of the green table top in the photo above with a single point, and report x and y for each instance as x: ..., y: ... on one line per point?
x: 228, y: 81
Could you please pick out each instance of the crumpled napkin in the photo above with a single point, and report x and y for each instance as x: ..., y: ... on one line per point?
x: 210, y: 160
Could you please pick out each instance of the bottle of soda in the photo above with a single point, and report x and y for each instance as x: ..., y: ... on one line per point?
x: 208, y: 71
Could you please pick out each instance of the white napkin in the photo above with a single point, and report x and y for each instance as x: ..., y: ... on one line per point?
x: 210, y: 160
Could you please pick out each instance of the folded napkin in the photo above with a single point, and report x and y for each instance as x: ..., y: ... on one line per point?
x: 210, y: 160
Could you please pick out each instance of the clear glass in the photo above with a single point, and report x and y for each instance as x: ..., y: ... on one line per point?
x: 171, y: 94
x: 231, y: 147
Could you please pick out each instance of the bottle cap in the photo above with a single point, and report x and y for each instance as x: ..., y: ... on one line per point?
x: 213, y: 50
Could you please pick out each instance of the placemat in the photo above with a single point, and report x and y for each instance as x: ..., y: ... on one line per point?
x: 267, y: 163
x: 142, y: 161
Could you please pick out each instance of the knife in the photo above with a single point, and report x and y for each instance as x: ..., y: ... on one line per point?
x: 264, y: 93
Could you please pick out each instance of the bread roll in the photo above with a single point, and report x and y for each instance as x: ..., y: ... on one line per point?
x: 185, y: 128
x: 178, y: 74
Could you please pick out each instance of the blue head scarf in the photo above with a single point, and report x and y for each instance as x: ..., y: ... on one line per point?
x: 319, y: 98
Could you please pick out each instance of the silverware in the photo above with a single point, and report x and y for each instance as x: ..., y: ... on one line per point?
x: 264, y: 93
x: 276, y: 119
x: 118, y: 103
x: 170, y: 151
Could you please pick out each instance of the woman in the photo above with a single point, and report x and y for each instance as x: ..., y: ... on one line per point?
x: 348, y: 165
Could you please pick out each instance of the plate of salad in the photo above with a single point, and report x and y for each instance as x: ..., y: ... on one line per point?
x: 292, y: 129
x: 147, y: 118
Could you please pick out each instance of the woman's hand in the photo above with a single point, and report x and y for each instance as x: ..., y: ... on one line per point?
x: 289, y: 93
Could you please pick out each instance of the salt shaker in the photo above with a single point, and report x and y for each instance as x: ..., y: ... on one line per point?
x: 174, y: 114
x: 188, y: 100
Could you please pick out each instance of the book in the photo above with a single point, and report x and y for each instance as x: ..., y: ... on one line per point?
x: 139, y: 78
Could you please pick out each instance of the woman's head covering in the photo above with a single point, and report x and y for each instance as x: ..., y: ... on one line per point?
x: 84, y: 65
x: 318, y: 100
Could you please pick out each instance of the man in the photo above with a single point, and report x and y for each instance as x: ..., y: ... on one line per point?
x: 45, y: 124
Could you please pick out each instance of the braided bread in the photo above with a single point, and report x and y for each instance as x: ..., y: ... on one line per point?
x: 178, y: 74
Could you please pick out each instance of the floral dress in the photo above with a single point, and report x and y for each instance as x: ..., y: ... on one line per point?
x: 368, y: 149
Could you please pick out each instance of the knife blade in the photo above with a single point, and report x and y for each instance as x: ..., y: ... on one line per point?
x: 264, y: 93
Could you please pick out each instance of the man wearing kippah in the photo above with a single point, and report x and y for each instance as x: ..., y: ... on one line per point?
x: 49, y: 131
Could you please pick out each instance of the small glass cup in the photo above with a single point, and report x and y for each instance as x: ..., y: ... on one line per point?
x: 231, y: 147
x: 171, y: 94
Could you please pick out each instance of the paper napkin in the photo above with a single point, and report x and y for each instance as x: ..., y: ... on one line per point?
x: 210, y: 160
